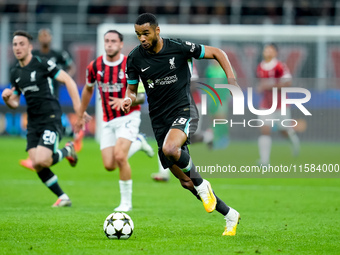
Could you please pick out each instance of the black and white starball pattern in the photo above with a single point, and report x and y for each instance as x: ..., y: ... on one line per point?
x: 118, y: 225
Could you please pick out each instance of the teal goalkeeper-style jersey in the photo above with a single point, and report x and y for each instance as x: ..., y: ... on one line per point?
x: 166, y: 78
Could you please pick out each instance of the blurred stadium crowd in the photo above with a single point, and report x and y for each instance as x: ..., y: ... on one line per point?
x: 93, y: 12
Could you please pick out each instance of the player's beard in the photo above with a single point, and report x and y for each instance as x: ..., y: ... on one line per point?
x: 153, y: 44
x: 113, y: 54
x: 45, y: 45
x: 23, y: 58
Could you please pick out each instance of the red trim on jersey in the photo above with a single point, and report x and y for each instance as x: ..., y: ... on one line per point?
x: 111, y: 82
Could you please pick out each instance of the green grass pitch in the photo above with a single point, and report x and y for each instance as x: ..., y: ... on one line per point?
x: 279, y: 215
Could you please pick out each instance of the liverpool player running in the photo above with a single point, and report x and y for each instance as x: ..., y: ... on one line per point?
x: 31, y: 77
x: 273, y: 73
x: 63, y: 61
x: 119, y: 136
x: 162, y: 65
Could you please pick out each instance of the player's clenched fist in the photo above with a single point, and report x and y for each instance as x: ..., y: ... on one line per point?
x: 126, y: 104
x: 6, y: 94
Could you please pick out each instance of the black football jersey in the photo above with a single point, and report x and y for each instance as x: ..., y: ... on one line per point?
x: 34, y: 81
x: 166, y: 78
x: 62, y: 59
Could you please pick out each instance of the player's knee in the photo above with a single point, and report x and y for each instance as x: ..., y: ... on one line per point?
x: 169, y: 150
x: 109, y: 165
x: 40, y: 164
x: 120, y: 158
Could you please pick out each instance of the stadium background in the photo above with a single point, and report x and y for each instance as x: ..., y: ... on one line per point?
x: 313, y: 57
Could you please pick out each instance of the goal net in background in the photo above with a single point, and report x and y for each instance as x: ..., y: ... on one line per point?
x: 312, y: 53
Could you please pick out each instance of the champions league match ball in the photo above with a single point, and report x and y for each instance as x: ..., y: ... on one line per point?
x: 118, y: 225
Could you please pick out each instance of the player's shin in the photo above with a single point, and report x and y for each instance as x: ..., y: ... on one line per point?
x: 59, y: 155
x: 264, y: 143
x: 294, y: 139
x: 67, y: 152
x: 221, y: 207
x: 186, y: 165
x: 50, y: 180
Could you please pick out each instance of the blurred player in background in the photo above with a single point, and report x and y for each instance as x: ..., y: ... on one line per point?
x: 220, y: 133
x: 273, y: 73
x: 31, y: 77
x: 162, y: 65
x: 119, y: 135
x: 61, y: 58
x: 63, y: 61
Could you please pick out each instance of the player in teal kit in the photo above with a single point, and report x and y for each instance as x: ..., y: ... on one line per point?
x: 162, y: 66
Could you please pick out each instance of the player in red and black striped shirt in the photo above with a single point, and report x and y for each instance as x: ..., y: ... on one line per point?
x: 111, y: 80
x: 273, y: 73
x: 119, y: 134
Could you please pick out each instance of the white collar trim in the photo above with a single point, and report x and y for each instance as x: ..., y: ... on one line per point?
x: 115, y: 63
x: 269, y: 65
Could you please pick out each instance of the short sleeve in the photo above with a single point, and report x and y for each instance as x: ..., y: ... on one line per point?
x: 90, y: 75
x: 192, y: 50
x: 66, y: 59
x: 14, y: 83
x: 258, y: 71
x: 50, y: 67
x: 131, y: 72
x: 285, y: 72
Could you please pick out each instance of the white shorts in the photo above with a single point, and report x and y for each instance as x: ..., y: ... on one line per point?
x: 274, y: 120
x: 122, y: 127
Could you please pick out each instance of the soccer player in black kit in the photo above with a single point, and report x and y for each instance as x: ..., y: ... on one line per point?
x: 63, y: 61
x: 162, y: 66
x: 31, y: 77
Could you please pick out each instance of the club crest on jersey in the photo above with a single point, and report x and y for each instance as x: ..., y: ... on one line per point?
x: 121, y: 74
x: 172, y: 63
x: 192, y: 46
x: 53, y: 59
x: 33, y: 74
x: 51, y: 64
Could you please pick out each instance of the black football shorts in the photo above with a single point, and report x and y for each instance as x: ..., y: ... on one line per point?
x: 184, y: 123
x: 47, y: 135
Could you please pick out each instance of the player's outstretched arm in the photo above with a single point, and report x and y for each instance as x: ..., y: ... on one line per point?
x: 72, y: 89
x: 11, y: 100
x: 83, y: 117
x: 130, y: 97
x: 222, y: 59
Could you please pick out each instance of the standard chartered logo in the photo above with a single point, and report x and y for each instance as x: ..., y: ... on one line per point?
x: 167, y: 80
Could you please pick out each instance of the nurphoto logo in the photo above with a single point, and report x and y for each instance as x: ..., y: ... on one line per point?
x: 239, y: 105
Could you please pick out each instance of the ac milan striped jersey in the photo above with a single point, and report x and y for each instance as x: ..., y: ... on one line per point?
x: 111, y: 81
x: 273, y: 71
